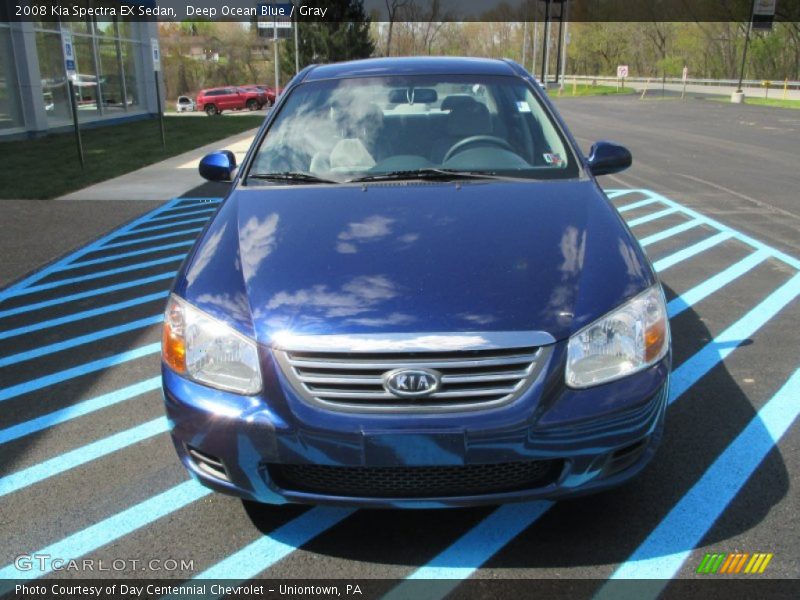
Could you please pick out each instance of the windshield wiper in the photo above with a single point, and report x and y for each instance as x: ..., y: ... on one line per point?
x: 291, y: 176
x: 431, y: 173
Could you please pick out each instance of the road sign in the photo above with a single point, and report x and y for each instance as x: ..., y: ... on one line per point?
x: 685, y: 74
x: 69, y: 55
x: 156, y: 54
x: 763, y: 14
x: 622, y: 71
x: 280, y: 28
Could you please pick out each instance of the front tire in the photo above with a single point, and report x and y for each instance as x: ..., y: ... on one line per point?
x: 211, y: 110
x: 252, y: 105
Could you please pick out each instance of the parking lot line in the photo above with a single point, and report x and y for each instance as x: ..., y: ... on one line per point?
x: 78, y: 410
x: 688, y: 373
x: 758, y: 245
x: 84, y: 314
x: 151, y: 238
x: 87, y: 294
x: 668, y: 233
x: 186, y: 213
x: 681, y: 255
x: 90, y: 276
x: 668, y: 546
x: 80, y: 456
x: 267, y: 550
x: 25, y: 282
x: 80, y: 340
x: 108, y: 530
x: 635, y: 205
x: 715, y: 283
x: 113, y: 257
x: 652, y: 216
x: 84, y: 369
x: 166, y: 225
x: 464, y: 556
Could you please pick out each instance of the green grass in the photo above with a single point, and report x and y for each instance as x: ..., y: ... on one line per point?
x: 756, y: 101
x: 48, y: 167
x: 589, y: 90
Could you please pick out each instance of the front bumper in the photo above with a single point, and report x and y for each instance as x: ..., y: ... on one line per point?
x: 593, y: 439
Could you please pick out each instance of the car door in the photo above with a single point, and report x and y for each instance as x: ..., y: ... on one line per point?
x: 232, y: 98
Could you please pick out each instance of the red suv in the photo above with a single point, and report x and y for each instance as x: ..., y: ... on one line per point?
x: 215, y: 100
x: 270, y: 93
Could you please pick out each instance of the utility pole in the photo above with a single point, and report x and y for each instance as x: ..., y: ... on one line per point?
x: 546, y: 44
x: 275, y: 55
x: 296, y: 46
x: 746, y: 43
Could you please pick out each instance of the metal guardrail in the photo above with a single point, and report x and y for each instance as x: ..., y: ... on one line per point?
x: 750, y: 83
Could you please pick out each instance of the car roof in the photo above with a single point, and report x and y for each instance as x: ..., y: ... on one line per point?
x: 376, y: 67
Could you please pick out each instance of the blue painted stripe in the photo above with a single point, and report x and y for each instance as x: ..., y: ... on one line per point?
x: 715, y: 283
x: 617, y: 193
x: 790, y: 260
x: 652, y: 216
x: 79, y: 340
x: 106, y: 259
x: 689, y: 372
x: 84, y: 369
x: 14, y: 289
x: 266, y: 551
x: 151, y: 238
x: 681, y: 255
x: 80, y: 456
x: 113, y: 528
x: 78, y: 410
x: 99, y: 274
x: 78, y: 316
x: 635, y: 205
x: 470, y: 551
x: 664, y: 551
x: 483, y: 541
x: 668, y: 233
x: 193, y: 211
x: 167, y: 225
x: 87, y: 294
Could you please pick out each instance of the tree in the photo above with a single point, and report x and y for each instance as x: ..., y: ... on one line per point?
x: 392, y: 6
x: 345, y: 35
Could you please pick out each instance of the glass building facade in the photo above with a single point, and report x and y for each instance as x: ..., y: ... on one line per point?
x: 113, y: 64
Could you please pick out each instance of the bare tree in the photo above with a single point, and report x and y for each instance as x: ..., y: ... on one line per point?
x: 392, y: 6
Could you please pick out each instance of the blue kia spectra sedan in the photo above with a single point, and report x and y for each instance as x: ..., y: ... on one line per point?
x: 415, y: 295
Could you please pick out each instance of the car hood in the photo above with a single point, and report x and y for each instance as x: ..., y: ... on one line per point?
x: 415, y: 257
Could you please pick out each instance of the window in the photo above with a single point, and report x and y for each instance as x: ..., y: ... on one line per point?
x: 349, y: 128
x: 10, y: 110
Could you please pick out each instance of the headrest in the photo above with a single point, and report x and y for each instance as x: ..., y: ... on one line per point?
x: 350, y: 155
x: 469, y: 118
x: 451, y: 102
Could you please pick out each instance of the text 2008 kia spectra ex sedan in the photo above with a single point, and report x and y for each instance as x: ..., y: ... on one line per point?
x: 415, y: 295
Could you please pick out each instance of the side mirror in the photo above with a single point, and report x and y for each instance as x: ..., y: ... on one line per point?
x: 607, y: 157
x: 218, y: 166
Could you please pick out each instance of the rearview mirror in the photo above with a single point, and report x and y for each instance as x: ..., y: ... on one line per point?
x: 607, y: 157
x: 218, y: 166
x: 413, y: 95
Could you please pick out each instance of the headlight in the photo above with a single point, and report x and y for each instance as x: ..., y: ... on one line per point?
x: 207, y: 350
x: 628, y: 339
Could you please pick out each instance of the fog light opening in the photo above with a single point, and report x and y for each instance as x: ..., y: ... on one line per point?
x: 208, y: 463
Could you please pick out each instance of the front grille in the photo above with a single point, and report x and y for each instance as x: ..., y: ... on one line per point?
x: 468, y: 378
x: 416, y: 482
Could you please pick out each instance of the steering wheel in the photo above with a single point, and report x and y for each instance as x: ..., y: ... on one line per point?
x: 476, y: 139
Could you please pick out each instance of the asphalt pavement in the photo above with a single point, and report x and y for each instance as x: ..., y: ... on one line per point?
x: 87, y: 469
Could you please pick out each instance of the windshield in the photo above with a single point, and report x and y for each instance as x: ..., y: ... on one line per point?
x: 370, y: 128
